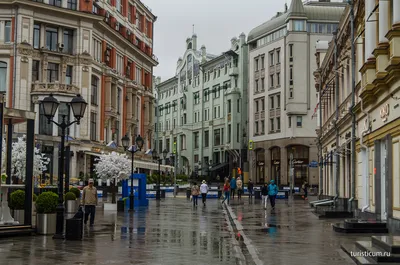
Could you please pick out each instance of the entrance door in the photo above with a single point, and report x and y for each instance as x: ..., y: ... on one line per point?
x: 383, y: 158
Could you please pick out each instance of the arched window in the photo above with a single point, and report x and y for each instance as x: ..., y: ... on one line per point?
x: 3, y: 76
x: 95, y: 88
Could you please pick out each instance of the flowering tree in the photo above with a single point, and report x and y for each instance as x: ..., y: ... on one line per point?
x: 112, y: 165
x: 18, y: 159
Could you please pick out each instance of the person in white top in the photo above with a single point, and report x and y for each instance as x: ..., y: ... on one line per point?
x: 204, y: 191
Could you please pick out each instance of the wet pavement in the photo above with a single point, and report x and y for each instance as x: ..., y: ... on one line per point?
x: 173, y: 232
x: 291, y: 234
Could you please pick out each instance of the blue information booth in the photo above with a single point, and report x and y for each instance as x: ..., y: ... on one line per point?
x: 139, y: 190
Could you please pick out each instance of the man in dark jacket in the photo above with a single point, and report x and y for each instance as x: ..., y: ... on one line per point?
x: 264, y: 193
x: 250, y: 187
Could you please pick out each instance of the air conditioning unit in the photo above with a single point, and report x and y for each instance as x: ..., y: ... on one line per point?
x: 61, y: 47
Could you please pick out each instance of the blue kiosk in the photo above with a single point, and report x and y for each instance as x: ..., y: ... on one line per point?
x: 139, y: 190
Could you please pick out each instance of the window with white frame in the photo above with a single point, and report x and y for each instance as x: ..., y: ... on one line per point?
x: 96, y: 50
x: 138, y: 75
x: 120, y: 64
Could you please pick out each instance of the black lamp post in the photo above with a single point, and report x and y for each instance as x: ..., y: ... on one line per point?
x: 132, y: 149
x: 159, y: 159
x: 50, y: 105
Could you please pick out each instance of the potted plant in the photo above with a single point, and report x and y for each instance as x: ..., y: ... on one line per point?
x: 17, y: 203
x: 70, y: 202
x: 77, y: 193
x: 46, y: 205
x: 3, y: 178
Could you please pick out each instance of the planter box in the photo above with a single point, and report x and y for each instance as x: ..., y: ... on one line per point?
x: 110, y: 207
x: 46, y: 223
x: 71, y: 206
x: 19, y: 216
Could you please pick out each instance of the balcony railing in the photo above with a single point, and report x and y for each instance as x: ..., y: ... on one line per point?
x: 233, y: 71
x: 55, y: 88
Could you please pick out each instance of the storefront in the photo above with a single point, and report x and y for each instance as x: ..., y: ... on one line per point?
x: 276, y: 165
x: 300, y: 163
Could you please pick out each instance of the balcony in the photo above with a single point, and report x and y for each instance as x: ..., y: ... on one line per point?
x: 234, y: 71
x: 54, y: 88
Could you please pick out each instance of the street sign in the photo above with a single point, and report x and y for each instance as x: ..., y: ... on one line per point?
x: 313, y: 164
x: 174, y: 150
x: 251, y: 145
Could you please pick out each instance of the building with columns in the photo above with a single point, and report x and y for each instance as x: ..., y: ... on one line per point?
x: 203, y: 109
x: 377, y: 101
x: 282, y: 96
x: 99, y: 49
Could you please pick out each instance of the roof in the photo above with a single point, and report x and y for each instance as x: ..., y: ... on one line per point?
x: 319, y: 11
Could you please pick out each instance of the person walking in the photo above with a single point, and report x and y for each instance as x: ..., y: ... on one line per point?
x: 233, y: 187
x: 195, y: 193
x: 305, y: 188
x: 250, y: 187
x: 264, y: 195
x: 204, y: 191
x: 272, y: 192
x: 226, y: 190
x: 239, y: 185
x: 89, y: 201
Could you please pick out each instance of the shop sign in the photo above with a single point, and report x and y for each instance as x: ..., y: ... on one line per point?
x: 297, y: 162
x: 260, y: 163
x: 313, y: 164
x: 384, y: 112
x: 277, y: 162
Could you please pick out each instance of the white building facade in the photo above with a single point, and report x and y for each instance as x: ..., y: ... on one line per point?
x: 203, y: 110
x: 282, y: 94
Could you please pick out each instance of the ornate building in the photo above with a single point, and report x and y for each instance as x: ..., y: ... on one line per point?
x: 99, y: 49
x: 282, y: 96
x: 203, y: 109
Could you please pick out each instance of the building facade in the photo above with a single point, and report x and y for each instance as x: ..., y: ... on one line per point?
x: 201, y: 112
x: 99, y: 49
x: 282, y: 97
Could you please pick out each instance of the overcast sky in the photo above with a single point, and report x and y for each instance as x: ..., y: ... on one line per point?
x: 216, y: 22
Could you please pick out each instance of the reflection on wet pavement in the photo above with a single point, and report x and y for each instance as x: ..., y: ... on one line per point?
x: 292, y: 234
x: 172, y: 232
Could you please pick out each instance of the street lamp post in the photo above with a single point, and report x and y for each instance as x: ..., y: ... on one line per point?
x: 50, y: 105
x: 156, y: 157
x: 132, y: 149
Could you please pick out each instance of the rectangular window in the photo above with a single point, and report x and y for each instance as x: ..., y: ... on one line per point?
x: 291, y: 52
x: 119, y: 94
x: 262, y: 104
x: 262, y: 62
x: 217, y: 137
x: 7, y: 31
x: 238, y: 105
x: 278, y: 101
x: 68, y: 75
x: 45, y: 128
x: 68, y: 41
x: 93, y: 126
x: 271, y: 125
x: 206, y: 138
x: 299, y: 121
x: 196, y: 97
x: 290, y: 122
x: 238, y: 132
x: 130, y: 13
x: 71, y: 4
x: 278, y: 79
x: 52, y: 39
x: 117, y: 136
x: 291, y: 93
x: 226, y: 69
x: 36, y: 36
x: 94, y: 90
x: 229, y: 106
x: 52, y: 72
x: 298, y: 25
x: 63, y: 112
x: 256, y: 83
x: 262, y: 84
x: 278, y: 123
x: 256, y: 101
x: 55, y: 2
x: 196, y: 140
x: 138, y: 75
x: 229, y: 133
x: 219, y: 112
x: 262, y: 127
x: 256, y: 127
x: 271, y: 80
x: 271, y: 58
x: 271, y: 102
x: 256, y: 64
x: 278, y: 56
x: 35, y: 70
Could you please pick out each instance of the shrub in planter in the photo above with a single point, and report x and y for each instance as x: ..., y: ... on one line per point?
x: 70, y: 202
x: 46, y: 205
x: 70, y: 196
x: 17, y: 200
x: 76, y: 191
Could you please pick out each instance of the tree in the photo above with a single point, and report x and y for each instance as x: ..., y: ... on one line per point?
x: 18, y: 159
x: 112, y: 166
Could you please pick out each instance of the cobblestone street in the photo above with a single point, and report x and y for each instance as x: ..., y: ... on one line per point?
x: 173, y: 232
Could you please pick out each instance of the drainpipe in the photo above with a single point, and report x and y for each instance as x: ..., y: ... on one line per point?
x: 353, y: 103
x: 337, y: 173
x: 365, y: 157
x: 15, y: 55
x: 321, y: 178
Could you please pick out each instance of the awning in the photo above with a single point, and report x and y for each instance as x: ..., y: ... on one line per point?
x: 219, y: 166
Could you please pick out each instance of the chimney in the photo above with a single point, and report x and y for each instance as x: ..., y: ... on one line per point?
x: 242, y: 38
